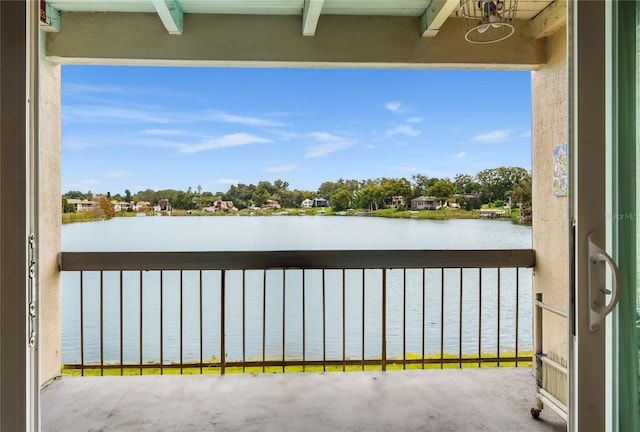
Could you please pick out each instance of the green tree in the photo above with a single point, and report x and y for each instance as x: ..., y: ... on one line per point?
x: 442, y: 189
x: 371, y: 197
x: 341, y: 199
x: 497, y: 182
x: 127, y: 195
x: 522, y: 193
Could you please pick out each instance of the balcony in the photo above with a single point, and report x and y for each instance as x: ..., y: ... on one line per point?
x: 392, y: 316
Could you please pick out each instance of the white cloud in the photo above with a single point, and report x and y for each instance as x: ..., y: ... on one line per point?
x: 113, y: 174
x: 94, y: 114
x: 90, y: 182
x: 280, y: 168
x: 406, y: 169
x: 86, y: 88
x: 167, y: 132
x: 495, y: 136
x: 461, y: 154
x: 526, y: 134
x: 403, y: 130
x: 228, y: 181
x: 224, y: 117
x: 414, y: 120
x: 394, y: 106
x: 328, y: 143
x: 231, y: 140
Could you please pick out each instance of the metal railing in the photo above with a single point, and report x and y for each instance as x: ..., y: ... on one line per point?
x: 214, y: 312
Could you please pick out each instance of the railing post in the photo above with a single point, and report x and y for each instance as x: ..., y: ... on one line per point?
x: 384, y: 320
x: 223, y: 357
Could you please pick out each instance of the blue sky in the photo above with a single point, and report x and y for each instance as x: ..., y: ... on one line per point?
x: 170, y: 128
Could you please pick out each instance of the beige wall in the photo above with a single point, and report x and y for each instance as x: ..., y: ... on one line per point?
x: 550, y: 226
x: 50, y: 220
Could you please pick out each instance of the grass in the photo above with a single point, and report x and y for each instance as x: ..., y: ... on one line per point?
x: 130, y: 370
x: 81, y: 217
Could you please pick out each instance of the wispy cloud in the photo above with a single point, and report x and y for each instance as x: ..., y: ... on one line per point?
x: 90, y: 182
x: 224, y: 117
x: 113, y: 174
x: 406, y: 169
x: 394, y: 106
x: 525, y: 134
x: 414, y: 120
x: 94, y: 114
x: 231, y: 140
x: 279, y: 168
x: 87, y: 88
x: 167, y: 132
x: 403, y: 130
x: 495, y: 136
x: 461, y: 154
x: 227, y: 181
x: 327, y: 144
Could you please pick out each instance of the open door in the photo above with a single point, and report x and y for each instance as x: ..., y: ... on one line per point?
x: 19, y: 386
x: 603, y: 357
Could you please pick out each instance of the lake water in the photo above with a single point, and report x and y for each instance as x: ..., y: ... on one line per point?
x: 293, y: 233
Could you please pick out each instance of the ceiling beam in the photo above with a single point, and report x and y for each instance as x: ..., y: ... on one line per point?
x: 49, y: 18
x: 550, y: 19
x: 170, y: 12
x: 435, y: 15
x: 310, y: 16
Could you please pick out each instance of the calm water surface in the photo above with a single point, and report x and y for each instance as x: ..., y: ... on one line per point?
x: 293, y: 233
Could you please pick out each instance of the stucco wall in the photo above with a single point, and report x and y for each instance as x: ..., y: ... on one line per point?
x: 550, y: 226
x: 49, y: 221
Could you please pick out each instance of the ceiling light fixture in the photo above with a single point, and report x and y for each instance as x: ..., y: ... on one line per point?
x: 487, y: 21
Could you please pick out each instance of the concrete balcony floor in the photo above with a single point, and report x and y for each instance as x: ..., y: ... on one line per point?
x: 431, y: 400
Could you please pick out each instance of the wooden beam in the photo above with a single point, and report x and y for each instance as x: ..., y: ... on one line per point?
x: 310, y: 16
x: 356, y: 259
x: 549, y: 20
x: 435, y: 15
x: 170, y: 12
x: 49, y: 17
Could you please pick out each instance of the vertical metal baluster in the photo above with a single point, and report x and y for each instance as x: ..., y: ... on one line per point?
x: 223, y: 307
x: 181, y: 316
x: 284, y: 305
x: 404, y: 319
x: 140, y: 363
x: 363, y: 312
x: 201, y: 359
x: 121, y: 326
x: 101, y: 323
x: 244, y: 320
x: 324, y: 326
x: 441, y: 317
x: 460, y: 328
x: 81, y: 323
x: 498, y: 316
x: 161, y: 322
x: 344, y: 325
x: 264, y: 319
x: 517, y: 309
x: 384, y: 320
x: 480, y: 317
x: 423, y: 313
x: 304, y: 324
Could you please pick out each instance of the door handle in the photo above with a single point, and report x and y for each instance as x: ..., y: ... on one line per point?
x: 598, y: 306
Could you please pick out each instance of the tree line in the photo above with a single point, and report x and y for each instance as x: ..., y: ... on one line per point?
x: 489, y: 185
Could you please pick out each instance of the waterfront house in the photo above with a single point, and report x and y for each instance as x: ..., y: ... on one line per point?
x: 82, y: 206
x: 425, y: 203
x: 307, y: 203
x: 320, y: 202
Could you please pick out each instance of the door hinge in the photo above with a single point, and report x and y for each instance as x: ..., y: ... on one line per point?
x: 32, y: 291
